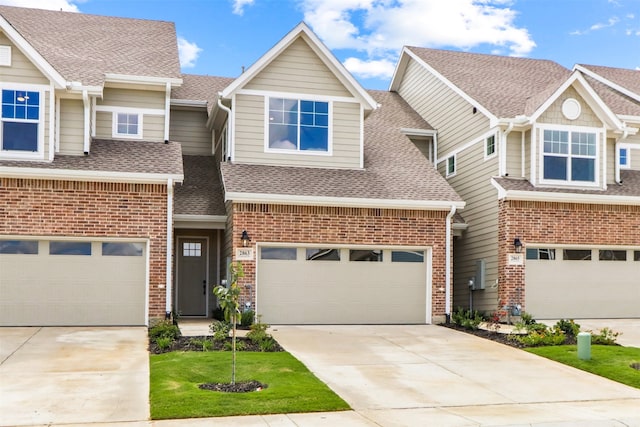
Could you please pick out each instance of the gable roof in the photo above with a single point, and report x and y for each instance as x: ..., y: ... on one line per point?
x: 84, y: 48
x: 325, y: 55
x: 624, y: 80
x: 395, y: 173
x: 200, y: 88
x: 504, y: 86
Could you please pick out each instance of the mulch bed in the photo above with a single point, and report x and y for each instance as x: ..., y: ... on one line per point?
x: 238, y: 387
x: 494, y: 336
x: 195, y: 344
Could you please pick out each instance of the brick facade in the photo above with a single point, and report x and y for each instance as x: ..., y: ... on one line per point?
x: 559, y: 224
x: 339, y: 225
x: 50, y: 208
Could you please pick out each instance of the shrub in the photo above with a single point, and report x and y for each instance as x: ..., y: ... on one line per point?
x: 220, y: 330
x: 605, y: 337
x: 549, y: 337
x: 268, y: 344
x: 570, y: 328
x: 164, y: 343
x: 247, y: 318
x: 203, y: 344
x: 527, y: 318
x: 258, y: 332
x: 466, y: 318
x: 240, y: 346
x: 165, y: 329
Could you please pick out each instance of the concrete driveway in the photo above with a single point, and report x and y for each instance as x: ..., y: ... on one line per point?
x: 73, y: 375
x: 430, y: 375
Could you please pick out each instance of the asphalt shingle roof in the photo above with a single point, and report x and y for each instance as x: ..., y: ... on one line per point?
x: 629, y: 79
x: 201, y: 88
x: 394, y: 169
x: 117, y: 156
x: 201, y: 191
x: 506, y: 86
x: 83, y: 47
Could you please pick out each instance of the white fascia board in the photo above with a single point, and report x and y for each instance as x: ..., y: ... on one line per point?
x: 492, y: 118
x: 607, y: 82
x: 33, y: 55
x: 200, y: 218
x: 587, y: 93
x: 351, y: 202
x: 595, y: 199
x: 319, y: 48
x: 418, y: 132
x: 84, y: 175
x: 398, y: 72
x: 187, y: 103
x: 143, y: 80
x: 629, y: 118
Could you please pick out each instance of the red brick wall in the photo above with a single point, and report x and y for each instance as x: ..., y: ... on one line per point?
x: 558, y: 223
x: 309, y: 224
x: 50, y: 208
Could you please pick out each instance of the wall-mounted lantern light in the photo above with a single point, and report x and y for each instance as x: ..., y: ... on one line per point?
x: 517, y: 245
x: 245, y: 238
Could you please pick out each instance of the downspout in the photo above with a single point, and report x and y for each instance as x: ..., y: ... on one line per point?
x: 87, y: 122
x: 167, y: 111
x: 435, y: 149
x: 503, y: 150
x: 229, y: 125
x: 168, y: 283
x: 447, y: 264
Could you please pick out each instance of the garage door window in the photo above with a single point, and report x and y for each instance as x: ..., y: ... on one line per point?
x: 19, y: 247
x: 607, y: 255
x: 407, y: 256
x: 70, y: 248
x: 636, y: 255
x: 541, y: 254
x: 121, y: 249
x: 374, y: 255
x: 323, y: 254
x: 287, y: 254
x: 576, y: 254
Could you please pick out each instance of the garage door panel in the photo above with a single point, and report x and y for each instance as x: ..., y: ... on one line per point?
x: 341, y: 292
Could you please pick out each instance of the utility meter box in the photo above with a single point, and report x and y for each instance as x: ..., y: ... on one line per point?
x: 480, y: 279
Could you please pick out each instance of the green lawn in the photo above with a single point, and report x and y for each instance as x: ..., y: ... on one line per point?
x: 291, y: 388
x: 607, y: 361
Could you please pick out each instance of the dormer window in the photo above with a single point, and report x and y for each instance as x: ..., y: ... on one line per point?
x: 20, y: 121
x: 127, y: 125
x: 569, y: 155
x: 297, y: 125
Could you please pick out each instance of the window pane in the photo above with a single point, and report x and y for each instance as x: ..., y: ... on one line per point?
x: 322, y: 107
x: 365, y: 255
x: 28, y: 247
x: 307, y: 107
x: 289, y: 254
x: 576, y: 254
x: 20, y: 136
x: 556, y: 142
x: 8, y: 96
x: 607, y: 255
x: 314, y: 138
x: 491, y: 145
x: 121, y: 249
x: 636, y: 255
x: 583, y: 144
x: 70, y: 248
x: 407, y: 256
x: 583, y: 169
x: 192, y: 249
x: 555, y: 167
x: 532, y: 253
x: 623, y: 157
x: 283, y: 137
x: 451, y: 165
x: 323, y: 254
x: 541, y: 254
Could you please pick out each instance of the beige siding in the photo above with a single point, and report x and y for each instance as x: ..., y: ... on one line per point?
x: 132, y: 98
x: 442, y: 108
x: 21, y: 70
x: 611, y: 160
x: 514, y: 154
x: 250, y: 137
x: 299, y: 70
x: 71, y: 127
x: 527, y: 154
x: 103, y: 125
x: 554, y: 115
x: 152, y: 126
x: 634, y: 159
x: 480, y: 241
x: 189, y: 128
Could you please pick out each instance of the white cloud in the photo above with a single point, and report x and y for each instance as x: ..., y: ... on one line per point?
x: 65, y: 5
x: 381, y: 68
x: 238, y: 6
x: 188, y: 52
x: 597, y: 26
x: 382, y: 27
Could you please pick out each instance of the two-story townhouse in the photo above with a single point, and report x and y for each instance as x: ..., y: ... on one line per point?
x: 86, y: 168
x: 544, y: 157
x: 127, y: 189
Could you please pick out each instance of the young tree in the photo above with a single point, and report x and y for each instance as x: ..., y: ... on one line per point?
x: 229, y: 300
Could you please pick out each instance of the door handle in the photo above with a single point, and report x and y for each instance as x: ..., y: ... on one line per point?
x: 204, y: 287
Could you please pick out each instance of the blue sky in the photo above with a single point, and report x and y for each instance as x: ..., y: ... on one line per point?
x: 219, y: 37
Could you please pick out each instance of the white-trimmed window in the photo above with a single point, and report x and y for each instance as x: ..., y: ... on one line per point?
x: 21, y: 116
x: 569, y: 156
x: 127, y: 125
x: 451, y: 165
x: 490, y: 146
x: 298, y: 125
x: 624, y: 158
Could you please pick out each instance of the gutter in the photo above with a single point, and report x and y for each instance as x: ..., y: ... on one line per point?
x: 447, y: 264
x: 229, y: 125
x: 88, y: 175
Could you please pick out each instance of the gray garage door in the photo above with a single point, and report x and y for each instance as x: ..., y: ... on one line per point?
x: 298, y: 285
x: 582, y: 282
x: 55, y: 283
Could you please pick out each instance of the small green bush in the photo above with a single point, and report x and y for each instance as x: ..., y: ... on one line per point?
x: 527, y: 318
x: 534, y: 339
x: 240, y: 346
x: 203, y: 344
x: 570, y: 328
x: 247, y: 318
x: 220, y: 330
x: 268, y: 344
x: 605, y: 337
x: 164, y: 343
x: 165, y: 329
x: 467, y: 319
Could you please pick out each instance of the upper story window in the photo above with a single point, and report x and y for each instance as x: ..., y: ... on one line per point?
x: 451, y: 166
x: 490, y: 146
x: 624, y: 158
x: 127, y: 125
x: 20, y: 120
x: 569, y: 156
x: 298, y: 125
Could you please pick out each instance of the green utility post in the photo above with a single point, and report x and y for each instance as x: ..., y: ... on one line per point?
x: 584, y: 346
